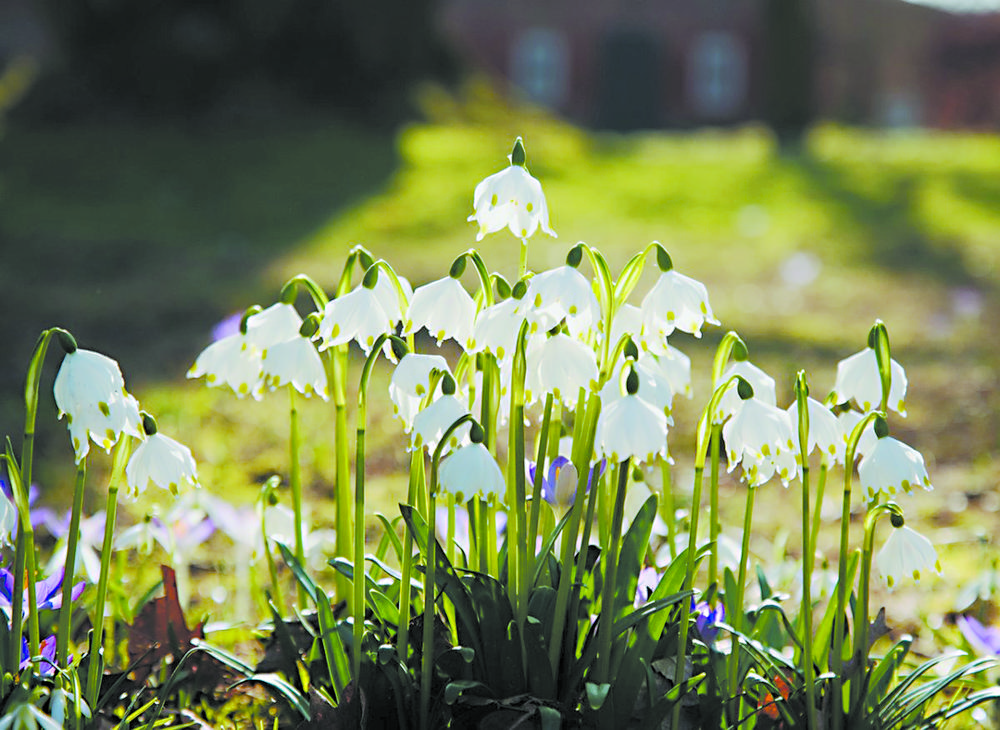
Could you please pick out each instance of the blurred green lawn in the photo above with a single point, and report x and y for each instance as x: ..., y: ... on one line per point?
x: 139, y: 238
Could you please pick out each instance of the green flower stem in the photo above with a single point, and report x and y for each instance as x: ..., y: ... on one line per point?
x: 427, y: 644
x: 605, y: 634
x: 701, y: 453
x: 536, y: 491
x: 72, y: 545
x: 343, y: 486
x: 837, y: 656
x: 805, y: 612
x: 583, y: 447
x: 714, y: 527
x: 358, y: 599
x: 295, y: 483
x: 26, y: 554
x: 737, y: 618
x: 415, y: 487
x: 522, y: 261
x: 492, y: 553
x: 449, y: 540
x: 272, y: 568
x: 31, y: 388
x: 427, y: 651
x: 669, y: 509
x: 517, y: 550
x: 95, y: 669
x: 824, y: 468
x: 861, y: 622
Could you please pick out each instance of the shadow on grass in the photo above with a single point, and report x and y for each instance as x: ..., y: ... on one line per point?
x: 893, y: 235
x: 139, y: 239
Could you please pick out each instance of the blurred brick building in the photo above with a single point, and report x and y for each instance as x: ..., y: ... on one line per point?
x: 676, y: 63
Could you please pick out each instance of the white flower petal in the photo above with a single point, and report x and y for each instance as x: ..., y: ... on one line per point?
x: 906, y: 554
x: 295, y: 362
x: 471, y: 471
x: 358, y: 316
x: 445, y: 309
x: 631, y: 428
x: 676, y: 301
x: 511, y: 198
x: 892, y: 466
x: 858, y: 378
x: 164, y: 462
x: 277, y: 323
x: 560, y: 365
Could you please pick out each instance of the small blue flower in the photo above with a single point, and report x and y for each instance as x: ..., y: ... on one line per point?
x: 48, y: 592
x: 707, y: 620
x: 550, y: 481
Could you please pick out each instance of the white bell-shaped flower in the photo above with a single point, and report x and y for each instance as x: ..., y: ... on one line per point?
x: 676, y: 301
x: 431, y: 423
x: 848, y: 420
x: 445, y: 309
x: 761, y: 382
x: 357, y: 315
x: 161, y: 460
x: 627, y: 321
x: 630, y: 427
x: 757, y: 431
x: 825, y: 431
x: 906, y: 554
x: 892, y: 466
x: 410, y: 382
x: 560, y: 365
x: 472, y: 471
x: 557, y: 294
x: 295, y: 362
x: 388, y: 297
x: 655, y: 386
x: 90, y: 391
x: 512, y: 199
x: 858, y: 378
x: 496, y: 329
x: 277, y: 323
x: 675, y: 366
x: 231, y: 361
x: 758, y: 469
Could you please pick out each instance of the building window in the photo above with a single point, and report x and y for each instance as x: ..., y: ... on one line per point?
x: 717, y: 75
x: 540, y: 65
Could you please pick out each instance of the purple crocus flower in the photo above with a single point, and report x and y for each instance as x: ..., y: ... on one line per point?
x: 706, y: 620
x: 39, y: 515
x: 228, y: 326
x: 47, y: 650
x: 649, y: 578
x: 550, y: 481
x: 984, y: 639
x: 48, y: 593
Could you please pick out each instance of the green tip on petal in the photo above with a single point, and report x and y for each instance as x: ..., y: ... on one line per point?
x: 663, y: 259
x: 67, y: 341
x: 517, y: 154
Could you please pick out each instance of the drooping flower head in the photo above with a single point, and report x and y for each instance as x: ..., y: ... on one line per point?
x: 858, y: 378
x: 432, y: 422
x: 471, y: 471
x: 906, y: 554
x: 445, y: 308
x: 357, y: 315
x: 233, y: 361
x: 560, y: 365
x: 631, y: 427
x: 512, y: 199
x: 826, y: 432
x: 676, y: 301
x: 411, y: 382
x: 161, y: 460
x: 891, y: 465
x: 760, y: 437
x: 558, y: 294
x: 90, y: 391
